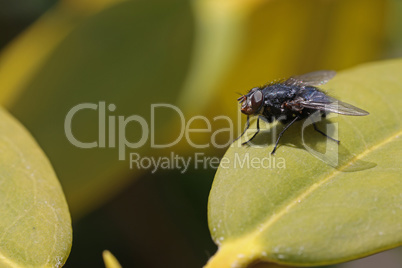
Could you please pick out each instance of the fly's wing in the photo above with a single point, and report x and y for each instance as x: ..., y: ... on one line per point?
x: 311, y: 79
x: 332, y: 105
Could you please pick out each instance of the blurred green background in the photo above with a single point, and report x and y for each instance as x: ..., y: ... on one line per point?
x: 193, y: 54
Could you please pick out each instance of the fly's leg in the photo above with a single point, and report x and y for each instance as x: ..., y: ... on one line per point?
x: 247, y: 126
x: 283, y: 131
x: 328, y: 137
x: 255, y: 134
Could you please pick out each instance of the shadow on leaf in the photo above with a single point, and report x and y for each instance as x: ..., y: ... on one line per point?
x: 306, y: 138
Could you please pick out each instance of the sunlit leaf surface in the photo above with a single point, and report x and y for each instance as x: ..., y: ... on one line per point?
x: 35, y: 225
x: 296, y: 208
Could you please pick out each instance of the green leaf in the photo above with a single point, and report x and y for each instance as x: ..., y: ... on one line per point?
x: 299, y: 210
x: 35, y: 226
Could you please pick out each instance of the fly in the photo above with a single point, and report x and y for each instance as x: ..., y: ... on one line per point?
x: 291, y: 100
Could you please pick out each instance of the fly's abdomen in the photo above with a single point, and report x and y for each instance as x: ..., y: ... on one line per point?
x: 313, y: 94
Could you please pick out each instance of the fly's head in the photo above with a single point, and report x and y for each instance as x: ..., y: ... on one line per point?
x: 251, y: 103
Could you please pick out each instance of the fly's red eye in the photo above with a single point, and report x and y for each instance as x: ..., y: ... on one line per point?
x: 256, y: 100
x: 252, y: 102
x: 253, y: 90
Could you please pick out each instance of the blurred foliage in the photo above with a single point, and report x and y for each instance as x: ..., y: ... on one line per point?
x: 17, y: 15
x: 92, y: 65
x: 110, y: 260
x: 195, y: 54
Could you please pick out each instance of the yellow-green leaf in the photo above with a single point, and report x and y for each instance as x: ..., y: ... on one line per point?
x: 299, y: 210
x: 110, y: 260
x: 35, y: 225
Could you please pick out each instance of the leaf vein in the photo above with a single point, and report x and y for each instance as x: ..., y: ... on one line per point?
x: 277, y: 215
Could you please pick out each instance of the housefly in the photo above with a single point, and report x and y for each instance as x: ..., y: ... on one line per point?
x: 291, y: 100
